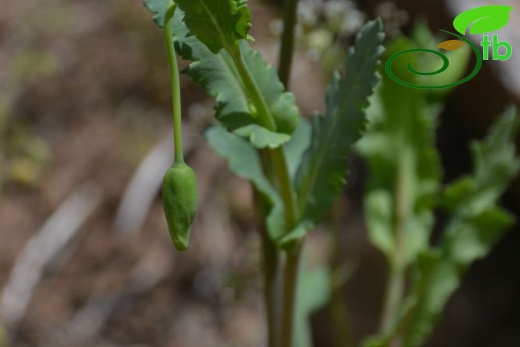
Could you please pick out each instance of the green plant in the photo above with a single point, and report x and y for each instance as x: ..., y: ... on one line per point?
x: 403, y: 193
x: 299, y: 168
x: 179, y: 191
x: 258, y: 116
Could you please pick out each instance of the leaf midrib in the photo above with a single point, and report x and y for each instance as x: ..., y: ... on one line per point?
x: 221, y: 34
x: 310, y: 181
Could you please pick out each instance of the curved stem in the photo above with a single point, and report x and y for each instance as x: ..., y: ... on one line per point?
x: 175, y: 83
x: 287, y: 42
x: 254, y: 91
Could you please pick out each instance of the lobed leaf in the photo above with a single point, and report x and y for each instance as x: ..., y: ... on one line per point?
x: 218, y: 24
x: 217, y: 74
x: 477, y: 223
x: 322, y: 174
x: 435, y: 279
x: 158, y: 8
x: 219, y: 77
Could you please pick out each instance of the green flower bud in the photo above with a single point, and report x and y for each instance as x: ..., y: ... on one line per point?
x: 179, y: 195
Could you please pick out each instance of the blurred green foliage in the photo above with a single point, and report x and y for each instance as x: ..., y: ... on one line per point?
x: 405, y: 189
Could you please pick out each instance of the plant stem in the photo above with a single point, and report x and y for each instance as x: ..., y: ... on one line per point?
x: 285, y: 186
x: 175, y: 83
x: 271, y: 287
x: 392, y: 301
x: 338, y: 277
x: 396, y: 280
x: 292, y: 264
x: 291, y: 272
x: 293, y: 258
x: 287, y: 194
x: 270, y: 259
x: 287, y: 42
x: 253, y: 89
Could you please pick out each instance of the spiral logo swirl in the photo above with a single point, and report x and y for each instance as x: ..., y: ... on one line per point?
x: 445, y: 65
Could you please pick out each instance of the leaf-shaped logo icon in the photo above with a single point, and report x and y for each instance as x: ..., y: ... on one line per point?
x: 482, y: 19
x: 451, y: 45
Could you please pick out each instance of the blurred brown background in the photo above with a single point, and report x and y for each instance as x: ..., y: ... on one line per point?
x: 85, y: 257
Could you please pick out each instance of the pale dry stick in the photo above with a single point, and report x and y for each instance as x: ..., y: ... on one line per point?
x: 146, y: 183
x: 51, y: 241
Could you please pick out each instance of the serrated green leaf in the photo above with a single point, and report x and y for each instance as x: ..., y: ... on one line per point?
x: 219, y: 77
x: 477, y: 223
x: 218, y: 24
x: 281, y: 104
x: 485, y: 19
x: 471, y: 237
x: 322, y: 174
x: 217, y: 74
x: 158, y: 8
x: 457, y: 192
x: 494, y: 159
x: 435, y: 279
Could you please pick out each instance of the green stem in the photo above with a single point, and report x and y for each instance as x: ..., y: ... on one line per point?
x: 292, y: 265
x: 277, y: 155
x: 287, y: 42
x: 291, y: 272
x: 393, y: 297
x: 284, y: 186
x: 175, y: 83
x: 337, y: 279
x: 286, y: 190
x: 396, y: 282
x: 270, y: 258
x: 293, y: 258
x: 271, y: 287
x: 254, y: 91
